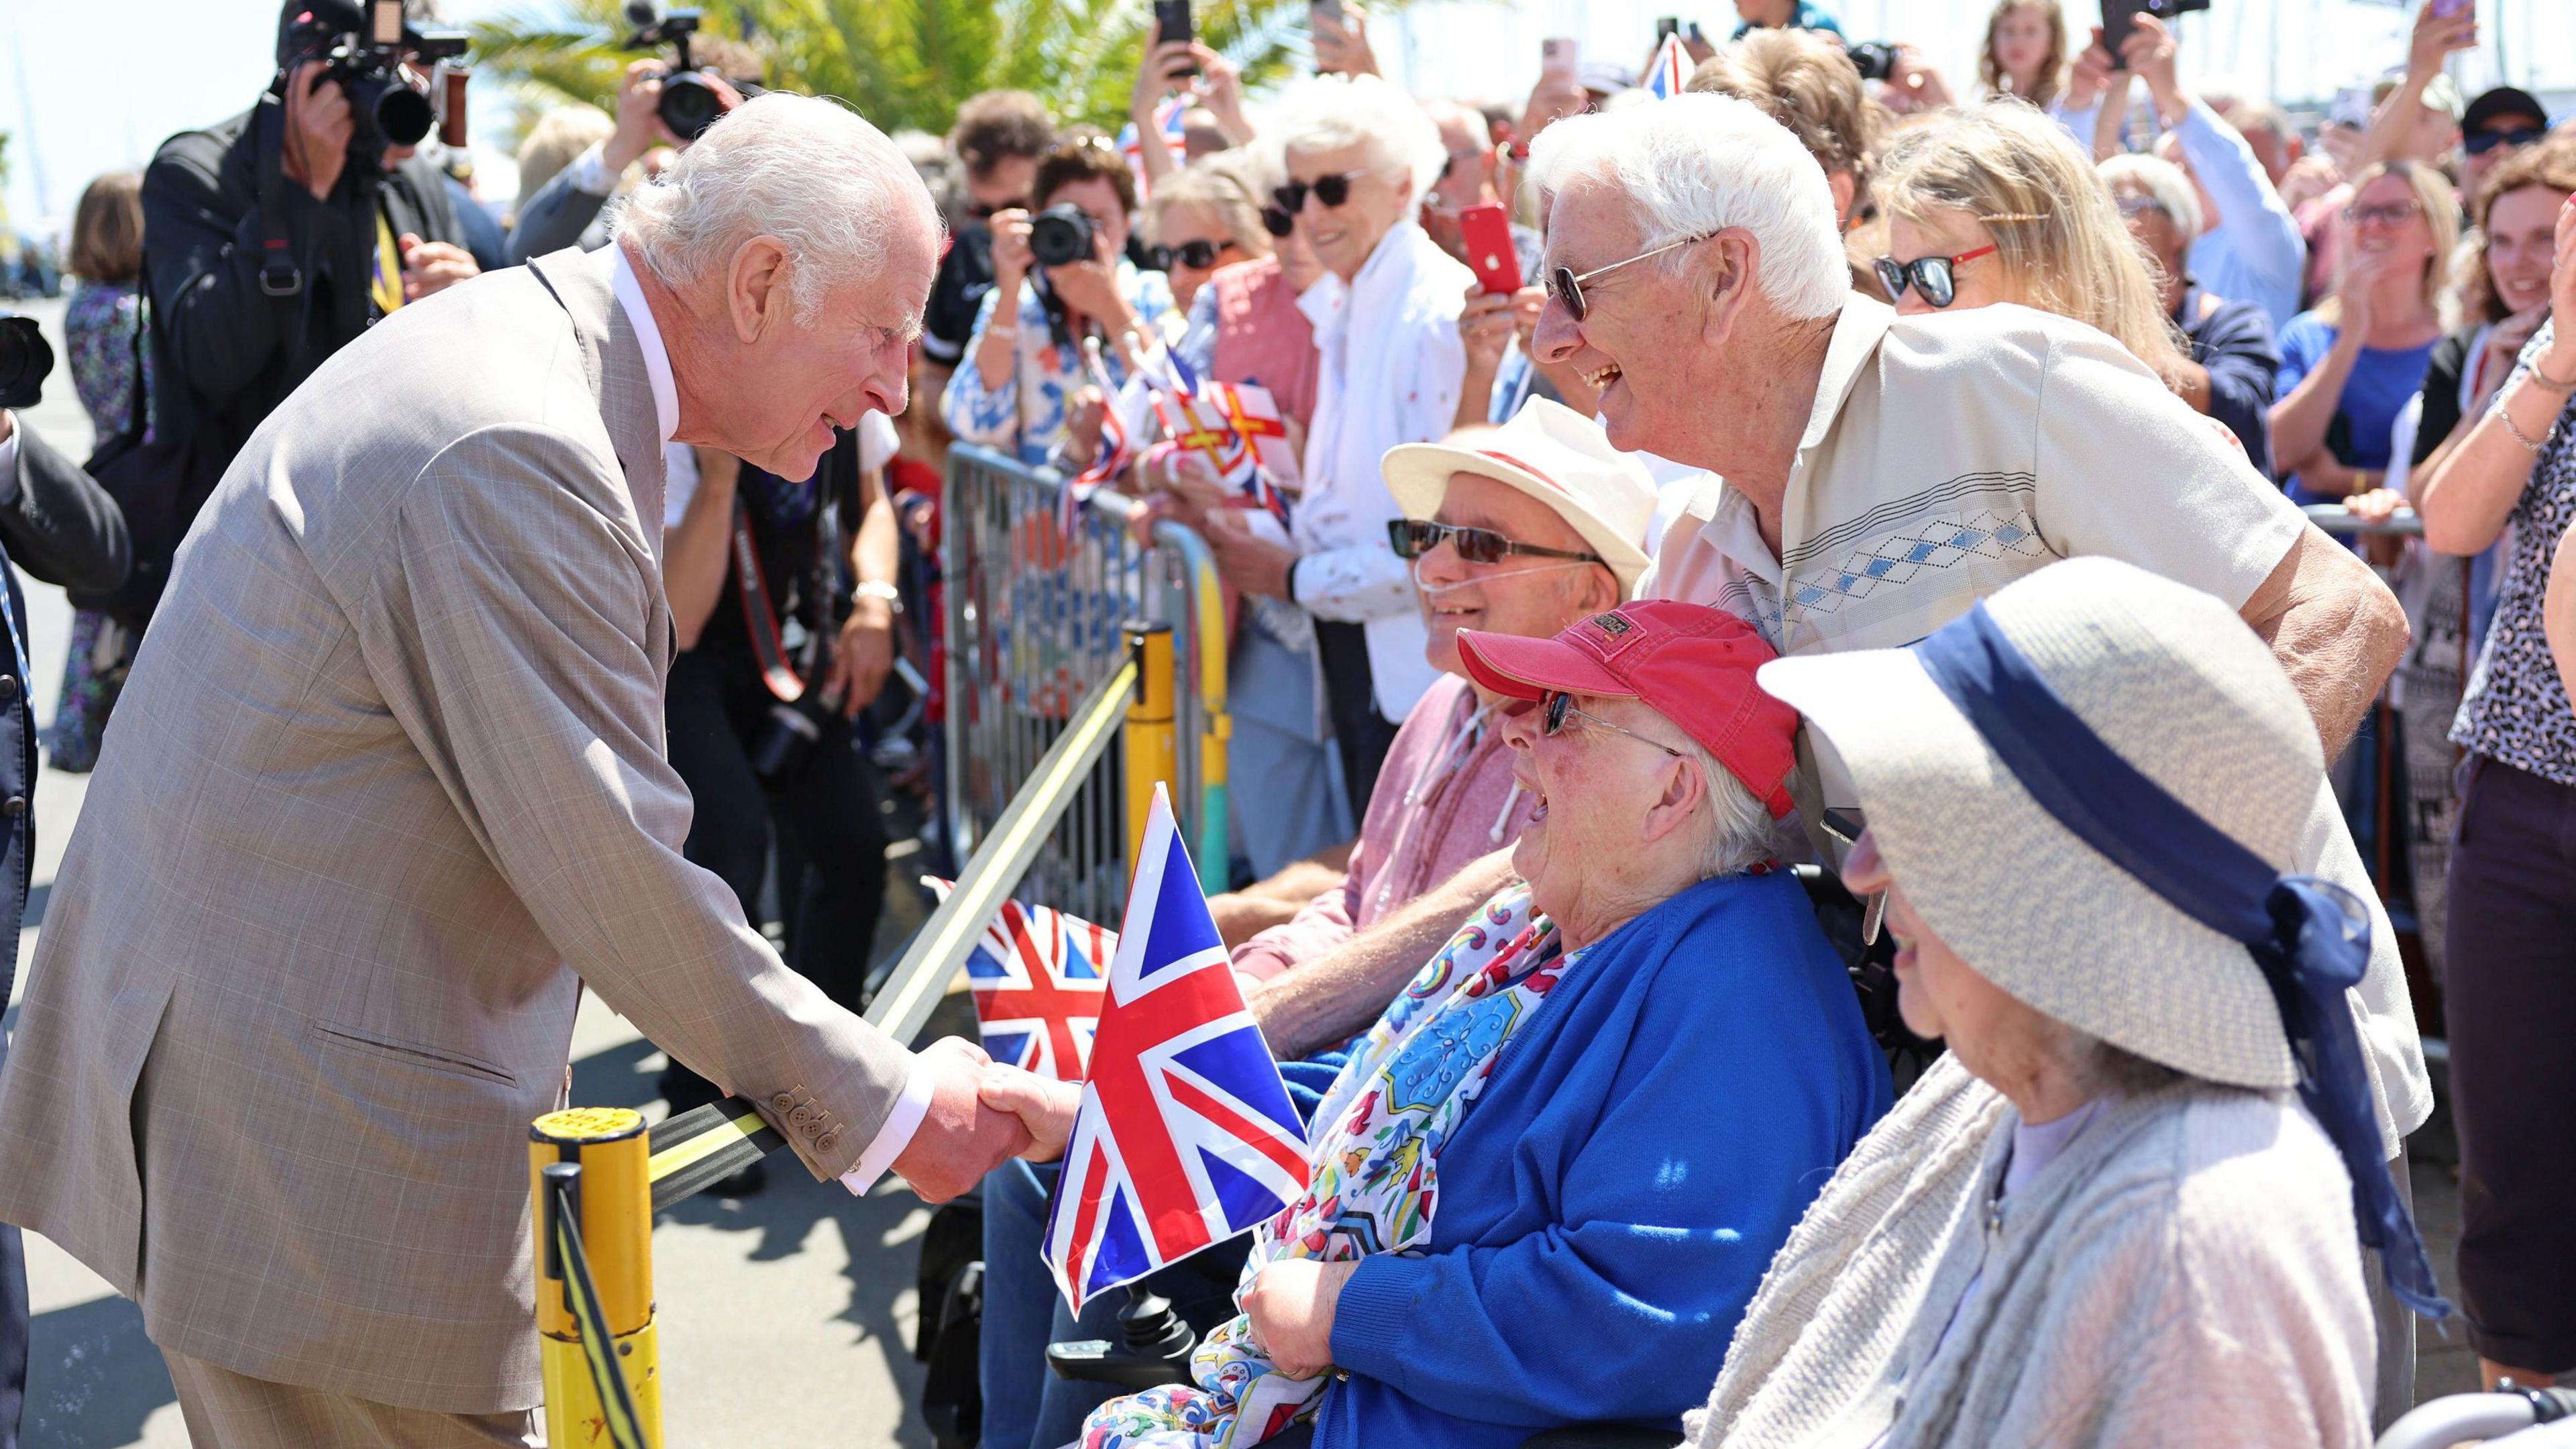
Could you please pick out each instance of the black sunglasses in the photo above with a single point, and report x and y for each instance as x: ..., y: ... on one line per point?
x: 1330, y: 190
x: 1411, y: 538
x: 1278, y: 221
x: 1560, y: 705
x: 2482, y: 142
x: 1197, y: 255
x: 1932, y: 276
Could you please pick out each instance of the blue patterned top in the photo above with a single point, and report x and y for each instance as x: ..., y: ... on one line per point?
x: 2515, y: 709
x: 98, y: 329
x: 1025, y: 416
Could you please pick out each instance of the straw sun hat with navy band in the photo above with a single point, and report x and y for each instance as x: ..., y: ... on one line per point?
x: 2092, y: 785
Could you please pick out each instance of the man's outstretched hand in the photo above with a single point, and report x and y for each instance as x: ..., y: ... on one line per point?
x: 1044, y: 1106
x: 960, y: 1139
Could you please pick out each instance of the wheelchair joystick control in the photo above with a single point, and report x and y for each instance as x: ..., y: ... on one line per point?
x: 1153, y: 1347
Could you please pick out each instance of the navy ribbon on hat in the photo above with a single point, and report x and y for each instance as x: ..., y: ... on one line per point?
x: 2309, y: 936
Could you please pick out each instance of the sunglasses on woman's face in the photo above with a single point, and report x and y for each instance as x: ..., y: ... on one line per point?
x: 1932, y: 276
x: 1198, y: 255
x: 1330, y: 190
x: 2485, y: 141
x: 2395, y: 213
x: 1411, y: 538
x: 1278, y: 220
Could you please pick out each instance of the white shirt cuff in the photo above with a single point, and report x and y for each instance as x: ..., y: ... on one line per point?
x: 895, y: 1135
x: 9, y: 454
x: 589, y: 171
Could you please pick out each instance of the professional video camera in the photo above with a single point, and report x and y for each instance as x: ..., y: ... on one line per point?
x: 25, y: 359
x: 1060, y: 235
x: 380, y: 68
x: 689, y: 104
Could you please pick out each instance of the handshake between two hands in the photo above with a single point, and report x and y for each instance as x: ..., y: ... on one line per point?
x: 981, y: 1113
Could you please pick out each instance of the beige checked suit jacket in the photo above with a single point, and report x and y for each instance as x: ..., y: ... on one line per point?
x: 386, y: 785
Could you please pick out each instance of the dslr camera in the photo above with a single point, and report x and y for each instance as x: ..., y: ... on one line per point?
x: 380, y: 68
x: 25, y: 360
x: 1875, y: 59
x: 1060, y: 235
x: 689, y: 104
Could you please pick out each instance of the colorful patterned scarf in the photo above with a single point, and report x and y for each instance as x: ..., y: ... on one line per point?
x: 1375, y: 1178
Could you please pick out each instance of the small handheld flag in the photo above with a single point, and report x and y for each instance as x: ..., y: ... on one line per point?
x: 1186, y: 1136
x: 1039, y: 977
x: 1669, y: 71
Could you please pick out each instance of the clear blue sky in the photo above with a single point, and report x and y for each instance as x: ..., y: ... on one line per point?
x: 101, y: 82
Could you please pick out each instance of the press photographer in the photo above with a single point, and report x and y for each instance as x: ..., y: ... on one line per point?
x: 57, y: 524
x: 274, y: 238
x: 659, y: 103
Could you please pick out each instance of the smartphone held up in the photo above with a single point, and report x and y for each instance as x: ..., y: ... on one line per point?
x: 1172, y: 23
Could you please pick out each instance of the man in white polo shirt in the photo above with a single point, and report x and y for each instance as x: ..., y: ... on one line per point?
x: 1883, y: 473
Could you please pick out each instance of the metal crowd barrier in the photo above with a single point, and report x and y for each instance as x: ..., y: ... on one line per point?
x: 1058, y: 648
x: 1036, y: 618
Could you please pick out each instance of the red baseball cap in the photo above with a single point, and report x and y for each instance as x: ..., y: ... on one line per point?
x: 1690, y: 663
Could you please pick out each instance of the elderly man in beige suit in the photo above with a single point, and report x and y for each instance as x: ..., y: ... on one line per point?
x: 387, y: 786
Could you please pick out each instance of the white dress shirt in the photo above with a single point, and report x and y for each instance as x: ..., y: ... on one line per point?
x: 914, y: 1104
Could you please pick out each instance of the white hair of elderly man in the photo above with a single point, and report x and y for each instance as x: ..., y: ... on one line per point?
x: 811, y: 172
x: 1695, y: 165
x: 1331, y: 112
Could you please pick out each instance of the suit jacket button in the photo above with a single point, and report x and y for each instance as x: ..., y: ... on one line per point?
x: 14, y: 806
x: 824, y: 1143
x: 8, y: 688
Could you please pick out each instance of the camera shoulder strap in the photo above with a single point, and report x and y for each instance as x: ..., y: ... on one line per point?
x: 759, y: 620
x: 279, y: 276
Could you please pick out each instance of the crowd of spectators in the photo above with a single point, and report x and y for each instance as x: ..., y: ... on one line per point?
x: 1847, y: 452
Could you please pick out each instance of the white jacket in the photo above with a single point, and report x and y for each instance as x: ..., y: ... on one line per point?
x: 1392, y: 368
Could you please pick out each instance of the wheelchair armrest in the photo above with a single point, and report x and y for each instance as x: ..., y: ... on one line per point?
x: 1602, y: 1436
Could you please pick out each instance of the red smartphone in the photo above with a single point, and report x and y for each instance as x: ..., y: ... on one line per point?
x: 1488, y: 233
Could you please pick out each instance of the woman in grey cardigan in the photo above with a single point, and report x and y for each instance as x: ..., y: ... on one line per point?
x: 2122, y: 1210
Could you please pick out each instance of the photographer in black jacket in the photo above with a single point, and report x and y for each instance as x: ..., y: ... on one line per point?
x: 273, y: 239
x: 58, y: 525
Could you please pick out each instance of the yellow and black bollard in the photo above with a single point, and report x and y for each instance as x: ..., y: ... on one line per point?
x: 1152, y: 741
x: 595, y: 1327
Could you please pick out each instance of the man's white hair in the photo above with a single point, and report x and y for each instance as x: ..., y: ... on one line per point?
x: 1331, y: 112
x: 2162, y: 180
x: 1696, y: 164
x: 812, y: 173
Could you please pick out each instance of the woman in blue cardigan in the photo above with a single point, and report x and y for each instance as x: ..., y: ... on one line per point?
x: 1546, y: 1184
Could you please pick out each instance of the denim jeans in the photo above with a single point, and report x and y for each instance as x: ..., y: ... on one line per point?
x: 1026, y: 1406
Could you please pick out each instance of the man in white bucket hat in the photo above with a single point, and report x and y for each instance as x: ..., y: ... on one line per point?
x: 2127, y: 1199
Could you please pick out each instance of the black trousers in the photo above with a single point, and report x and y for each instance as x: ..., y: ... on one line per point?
x: 13, y: 1334
x: 2511, y: 1003
x: 826, y: 814
x: 1360, y: 733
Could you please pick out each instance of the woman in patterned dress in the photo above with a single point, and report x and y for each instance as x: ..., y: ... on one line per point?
x: 2512, y: 928
x: 113, y: 378
x: 1546, y: 1183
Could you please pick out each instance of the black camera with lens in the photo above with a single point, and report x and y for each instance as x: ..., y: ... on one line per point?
x: 1876, y: 59
x: 384, y: 67
x: 25, y: 361
x: 689, y: 103
x: 1061, y: 235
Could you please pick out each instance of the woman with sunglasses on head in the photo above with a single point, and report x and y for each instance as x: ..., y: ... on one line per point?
x: 1026, y: 356
x: 2349, y: 367
x: 1989, y: 204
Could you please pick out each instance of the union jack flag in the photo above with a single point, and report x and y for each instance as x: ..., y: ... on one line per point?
x: 1167, y: 124
x: 1186, y: 1136
x: 1039, y: 977
x: 1669, y: 71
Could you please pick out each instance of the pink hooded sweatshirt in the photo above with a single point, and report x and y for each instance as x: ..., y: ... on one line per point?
x: 1444, y: 798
